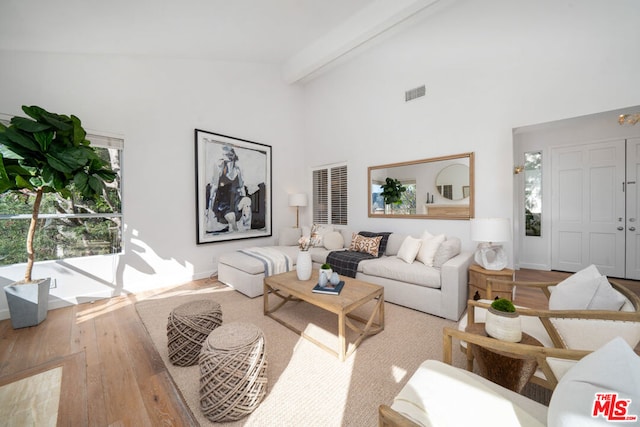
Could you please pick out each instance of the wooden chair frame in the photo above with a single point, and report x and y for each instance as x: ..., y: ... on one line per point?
x: 559, y: 349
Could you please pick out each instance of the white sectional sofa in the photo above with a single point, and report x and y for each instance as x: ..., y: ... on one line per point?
x: 439, y: 290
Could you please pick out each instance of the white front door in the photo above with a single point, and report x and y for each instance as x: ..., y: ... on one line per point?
x: 632, y: 226
x: 588, y: 207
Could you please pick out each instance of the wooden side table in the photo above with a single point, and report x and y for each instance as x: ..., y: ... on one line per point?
x: 478, y: 283
x: 509, y: 370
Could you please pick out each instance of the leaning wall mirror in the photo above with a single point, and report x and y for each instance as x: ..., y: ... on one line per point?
x: 436, y: 188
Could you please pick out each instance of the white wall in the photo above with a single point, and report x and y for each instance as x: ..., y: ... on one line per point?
x: 488, y: 67
x: 156, y: 104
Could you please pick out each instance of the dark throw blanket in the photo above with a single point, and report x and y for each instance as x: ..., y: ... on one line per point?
x: 345, y: 263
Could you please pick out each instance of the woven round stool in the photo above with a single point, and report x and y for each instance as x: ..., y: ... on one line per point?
x: 188, y: 327
x: 233, y: 372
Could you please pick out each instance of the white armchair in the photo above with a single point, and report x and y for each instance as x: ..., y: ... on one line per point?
x: 441, y: 395
x: 585, y: 312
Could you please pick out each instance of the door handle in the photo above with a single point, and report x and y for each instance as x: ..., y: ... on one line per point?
x: 632, y: 229
x: 620, y: 228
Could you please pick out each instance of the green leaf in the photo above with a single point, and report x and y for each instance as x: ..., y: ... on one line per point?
x: 67, y: 159
x: 79, y: 133
x: 33, y: 111
x: 44, y: 139
x: 58, y: 121
x: 23, y: 183
x: 107, y: 175
x: 20, y: 139
x: 95, y: 184
x: 29, y: 125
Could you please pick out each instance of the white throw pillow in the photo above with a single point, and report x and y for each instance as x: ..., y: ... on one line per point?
x: 585, y: 290
x: 447, y: 250
x: 289, y: 236
x: 409, y: 249
x: 333, y: 240
x: 429, y: 247
x: 612, y: 370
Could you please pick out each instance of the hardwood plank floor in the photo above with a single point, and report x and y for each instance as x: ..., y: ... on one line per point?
x: 125, y: 380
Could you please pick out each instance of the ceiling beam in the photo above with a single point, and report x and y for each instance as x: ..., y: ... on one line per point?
x: 370, y: 22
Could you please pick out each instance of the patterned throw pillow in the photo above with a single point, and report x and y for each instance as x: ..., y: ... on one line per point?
x: 369, y: 245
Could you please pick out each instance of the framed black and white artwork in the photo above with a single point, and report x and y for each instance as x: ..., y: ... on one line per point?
x: 233, y: 188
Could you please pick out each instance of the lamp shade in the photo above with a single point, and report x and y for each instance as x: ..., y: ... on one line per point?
x: 298, y: 199
x: 490, y: 229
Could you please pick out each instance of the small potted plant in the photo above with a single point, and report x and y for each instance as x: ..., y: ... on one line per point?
x: 503, y: 322
x: 45, y: 153
x: 327, y: 270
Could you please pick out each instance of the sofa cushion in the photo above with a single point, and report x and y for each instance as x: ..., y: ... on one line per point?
x: 612, y: 370
x: 333, y: 240
x: 409, y: 249
x: 429, y: 247
x: 396, y: 269
x: 585, y: 290
x: 383, y: 242
x: 447, y: 250
x: 393, y: 243
x: 289, y: 236
x: 369, y: 245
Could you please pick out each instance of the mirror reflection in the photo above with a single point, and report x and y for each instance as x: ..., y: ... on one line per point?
x: 436, y: 188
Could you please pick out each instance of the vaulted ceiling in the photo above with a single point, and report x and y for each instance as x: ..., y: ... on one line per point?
x: 300, y: 35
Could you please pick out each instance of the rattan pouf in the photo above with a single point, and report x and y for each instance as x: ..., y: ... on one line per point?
x: 188, y: 327
x: 233, y: 372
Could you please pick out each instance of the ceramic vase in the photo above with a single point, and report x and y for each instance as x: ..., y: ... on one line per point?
x: 303, y: 265
x: 327, y: 272
x: 503, y: 326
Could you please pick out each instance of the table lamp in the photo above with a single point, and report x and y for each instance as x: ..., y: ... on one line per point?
x: 297, y: 200
x: 487, y: 231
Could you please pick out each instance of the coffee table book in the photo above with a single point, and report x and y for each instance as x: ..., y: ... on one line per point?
x: 329, y: 289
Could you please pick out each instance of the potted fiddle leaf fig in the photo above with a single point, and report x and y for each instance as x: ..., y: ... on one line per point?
x: 392, y: 191
x: 45, y: 153
x: 503, y: 321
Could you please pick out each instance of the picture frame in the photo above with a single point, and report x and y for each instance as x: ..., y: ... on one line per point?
x: 233, y: 188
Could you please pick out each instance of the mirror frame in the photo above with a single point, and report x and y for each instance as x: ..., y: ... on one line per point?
x: 453, y: 215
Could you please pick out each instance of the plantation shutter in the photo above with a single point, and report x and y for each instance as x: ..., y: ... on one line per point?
x: 320, y: 196
x: 339, y: 195
x: 330, y: 195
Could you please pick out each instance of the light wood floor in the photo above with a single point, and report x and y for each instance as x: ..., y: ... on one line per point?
x: 116, y: 376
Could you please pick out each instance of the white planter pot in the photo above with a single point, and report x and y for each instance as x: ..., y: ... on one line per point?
x: 303, y: 265
x: 503, y: 326
x: 28, y: 302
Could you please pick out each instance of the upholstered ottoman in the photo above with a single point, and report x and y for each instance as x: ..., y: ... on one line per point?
x: 188, y: 327
x: 233, y: 372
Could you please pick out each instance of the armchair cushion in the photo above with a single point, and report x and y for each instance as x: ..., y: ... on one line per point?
x: 439, y: 394
x: 614, y: 368
x: 586, y: 290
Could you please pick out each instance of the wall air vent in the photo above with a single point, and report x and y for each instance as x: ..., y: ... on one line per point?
x: 414, y: 93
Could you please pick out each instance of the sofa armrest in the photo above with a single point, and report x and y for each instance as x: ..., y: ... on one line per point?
x: 454, y: 283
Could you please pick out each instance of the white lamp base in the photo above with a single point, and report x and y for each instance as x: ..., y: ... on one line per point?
x: 491, y: 257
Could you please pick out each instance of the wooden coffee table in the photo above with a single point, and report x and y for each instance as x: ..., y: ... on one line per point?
x: 354, y: 294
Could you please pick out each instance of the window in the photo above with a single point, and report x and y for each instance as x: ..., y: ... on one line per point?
x: 533, y: 193
x: 330, y: 195
x: 67, y: 228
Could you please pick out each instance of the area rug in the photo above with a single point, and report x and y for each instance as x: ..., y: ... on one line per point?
x: 307, y: 385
